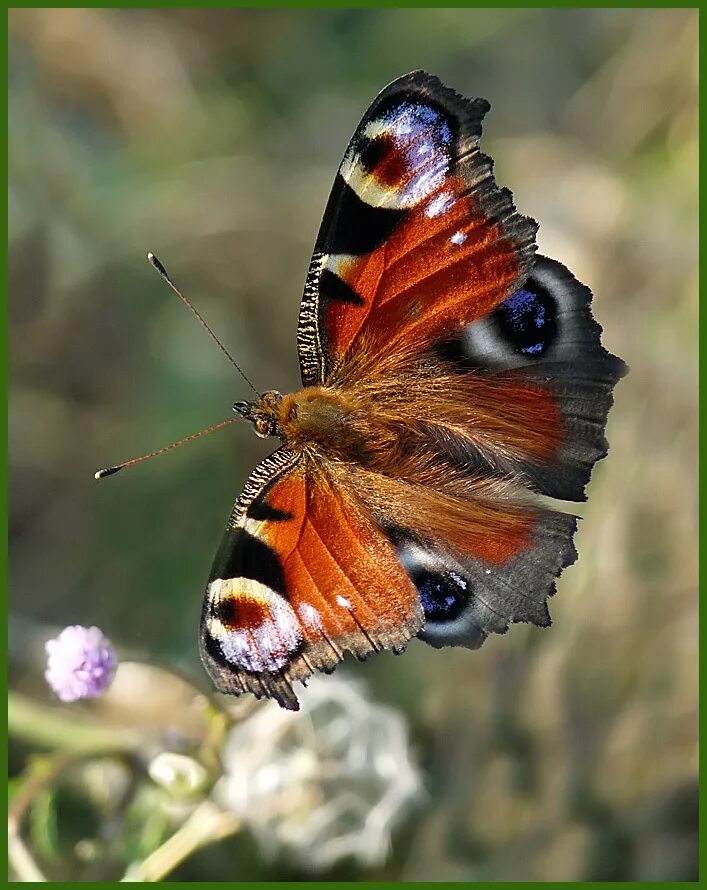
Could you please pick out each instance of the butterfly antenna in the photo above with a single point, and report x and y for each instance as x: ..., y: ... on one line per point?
x: 163, y: 272
x: 109, y: 471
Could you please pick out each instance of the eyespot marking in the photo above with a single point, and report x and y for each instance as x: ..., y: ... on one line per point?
x: 444, y: 594
x: 400, y: 157
x: 527, y: 320
x: 256, y: 628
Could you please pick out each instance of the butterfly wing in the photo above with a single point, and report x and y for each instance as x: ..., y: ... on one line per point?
x: 465, y: 598
x: 416, y: 240
x: 421, y: 254
x: 302, y: 575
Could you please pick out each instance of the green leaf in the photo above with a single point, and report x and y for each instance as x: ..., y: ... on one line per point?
x: 43, y: 827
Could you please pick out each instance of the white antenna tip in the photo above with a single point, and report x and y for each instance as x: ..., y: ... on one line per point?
x: 109, y: 471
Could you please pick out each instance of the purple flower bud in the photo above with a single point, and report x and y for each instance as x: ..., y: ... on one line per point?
x: 81, y: 663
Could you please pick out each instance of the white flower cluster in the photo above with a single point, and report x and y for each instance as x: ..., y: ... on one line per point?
x: 325, y: 783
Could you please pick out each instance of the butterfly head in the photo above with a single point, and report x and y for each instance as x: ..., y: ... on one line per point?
x: 263, y: 414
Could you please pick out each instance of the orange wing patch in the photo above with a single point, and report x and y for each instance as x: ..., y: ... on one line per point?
x: 442, y: 268
x: 303, y: 576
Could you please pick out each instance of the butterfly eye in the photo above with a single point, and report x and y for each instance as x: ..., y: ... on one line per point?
x: 263, y: 428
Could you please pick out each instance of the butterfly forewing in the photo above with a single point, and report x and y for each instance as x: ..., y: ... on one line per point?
x: 417, y: 239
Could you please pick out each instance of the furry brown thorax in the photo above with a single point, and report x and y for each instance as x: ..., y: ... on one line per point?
x: 318, y: 416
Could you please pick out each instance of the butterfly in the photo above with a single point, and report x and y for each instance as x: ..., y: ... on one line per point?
x: 450, y: 376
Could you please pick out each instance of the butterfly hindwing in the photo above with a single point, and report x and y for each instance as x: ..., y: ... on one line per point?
x: 302, y: 576
x: 544, y: 336
x: 465, y: 598
x: 480, y: 553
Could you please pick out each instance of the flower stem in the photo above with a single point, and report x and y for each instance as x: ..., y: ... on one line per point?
x: 22, y: 861
x: 49, y: 727
x: 207, y: 824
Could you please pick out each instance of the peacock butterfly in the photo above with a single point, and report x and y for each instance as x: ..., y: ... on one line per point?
x: 450, y: 375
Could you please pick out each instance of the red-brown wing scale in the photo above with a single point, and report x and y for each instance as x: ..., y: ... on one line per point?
x: 434, y: 274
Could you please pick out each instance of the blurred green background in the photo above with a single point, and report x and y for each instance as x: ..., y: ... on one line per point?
x: 211, y: 137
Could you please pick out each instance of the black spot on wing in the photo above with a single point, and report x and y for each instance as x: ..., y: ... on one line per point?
x: 225, y: 610
x: 213, y: 649
x: 241, y: 555
x: 371, y: 152
x: 261, y: 510
x: 352, y: 226
x: 331, y: 287
x: 444, y: 593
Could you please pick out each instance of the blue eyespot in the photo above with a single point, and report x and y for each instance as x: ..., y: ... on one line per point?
x: 527, y: 320
x: 443, y: 594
